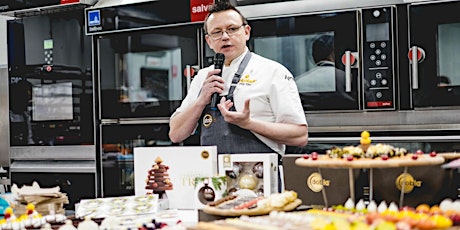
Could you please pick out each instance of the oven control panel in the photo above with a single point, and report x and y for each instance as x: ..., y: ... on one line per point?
x: 378, y: 64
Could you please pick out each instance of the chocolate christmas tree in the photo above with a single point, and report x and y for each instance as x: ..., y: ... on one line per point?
x: 158, y: 178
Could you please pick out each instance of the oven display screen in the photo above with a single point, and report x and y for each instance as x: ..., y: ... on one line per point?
x: 52, y: 102
x: 377, y: 32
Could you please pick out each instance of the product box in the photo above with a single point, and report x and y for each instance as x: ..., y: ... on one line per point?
x: 209, y: 189
x: 257, y: 172
x: 171, y: 171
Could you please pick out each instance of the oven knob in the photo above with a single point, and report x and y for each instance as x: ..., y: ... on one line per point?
x: 378, y: 95
x: 372, y: 45
x: 372, y: 57
x: 378, y: 75
x: 383, y: 56
x: 384, y: 82
x: 373, y: 82
x: 378, y: 62
x: 378, y: 51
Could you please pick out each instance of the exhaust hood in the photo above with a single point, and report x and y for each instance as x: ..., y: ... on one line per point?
x: 26, y: 8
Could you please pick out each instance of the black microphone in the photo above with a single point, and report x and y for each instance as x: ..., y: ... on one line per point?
x: 218, y: 64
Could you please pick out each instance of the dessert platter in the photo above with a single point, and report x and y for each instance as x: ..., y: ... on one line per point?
x: 445, y: 215
x: 367, y: 155
x: 250, y: 205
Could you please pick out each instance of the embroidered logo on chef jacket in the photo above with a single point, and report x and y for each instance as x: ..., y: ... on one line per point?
x: 246, y: 80
x: 207, y: 120
x: 289, y: 78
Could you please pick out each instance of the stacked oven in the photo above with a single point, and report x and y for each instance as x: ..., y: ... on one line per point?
x: 51, y: 98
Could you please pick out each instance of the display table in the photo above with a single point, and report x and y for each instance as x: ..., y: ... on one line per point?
x: 410, y: 160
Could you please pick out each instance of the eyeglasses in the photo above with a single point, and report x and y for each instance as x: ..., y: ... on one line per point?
x: 216, y: 35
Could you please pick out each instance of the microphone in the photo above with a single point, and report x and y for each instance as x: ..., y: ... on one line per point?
x: 218, y: 64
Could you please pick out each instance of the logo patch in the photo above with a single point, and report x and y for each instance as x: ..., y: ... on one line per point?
x: 94, y: 18
x: 246, y: 80
x: 207, y: 120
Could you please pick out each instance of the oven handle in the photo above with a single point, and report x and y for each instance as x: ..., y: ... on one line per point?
x: 416, y: 55
x: 349, y: 60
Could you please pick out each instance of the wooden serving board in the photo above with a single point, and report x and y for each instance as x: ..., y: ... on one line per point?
x: 406, y: 161
x: 251, y: 212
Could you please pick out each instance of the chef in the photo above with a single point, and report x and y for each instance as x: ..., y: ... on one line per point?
x: 258, y: 110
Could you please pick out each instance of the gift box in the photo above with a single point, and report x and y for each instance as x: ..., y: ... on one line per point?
x: 174, y: 177
x: 256, y: 172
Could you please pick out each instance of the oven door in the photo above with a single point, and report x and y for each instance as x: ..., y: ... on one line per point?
x: 341, y: 60
x: 142, y: 74
x: 51, y: 108
x: 433, y: 54
x: 312, y: 48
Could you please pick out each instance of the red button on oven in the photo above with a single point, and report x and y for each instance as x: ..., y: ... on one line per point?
x: 352, y: 59
x: 420, y: 54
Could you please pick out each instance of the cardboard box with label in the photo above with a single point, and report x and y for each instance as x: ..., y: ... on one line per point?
x: 175, y: 173
x: 257, y: 172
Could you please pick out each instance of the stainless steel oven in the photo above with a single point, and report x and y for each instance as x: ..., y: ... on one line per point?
x: 434, y: 44
x: 51, y: 114
x: 341, y: 60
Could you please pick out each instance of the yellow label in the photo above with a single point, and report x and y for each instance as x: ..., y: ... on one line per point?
x: 407, y: 181
x: 316, y: 182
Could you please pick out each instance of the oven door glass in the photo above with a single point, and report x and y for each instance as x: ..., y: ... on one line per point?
x: 49, y: 109
x: 50, y: 81
x: 438, y: 41
x: 311, y: 47
x: 142, y: 73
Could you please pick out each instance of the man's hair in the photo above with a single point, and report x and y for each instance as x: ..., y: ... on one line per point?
x: 219, y: 7
x: 323, y: 48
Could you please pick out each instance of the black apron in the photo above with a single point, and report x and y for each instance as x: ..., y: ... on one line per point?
x: 227, y: 137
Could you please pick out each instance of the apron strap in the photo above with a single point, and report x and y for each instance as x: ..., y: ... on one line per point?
x: 237, y: 76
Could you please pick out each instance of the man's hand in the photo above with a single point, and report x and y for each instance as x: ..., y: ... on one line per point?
x: 241, y: 119
x: 212, y: 84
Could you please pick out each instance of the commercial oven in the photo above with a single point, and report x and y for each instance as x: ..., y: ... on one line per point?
x: 146, y: 57
x: 433, y: 54
x: 340, y: 60
x: 51, y: 115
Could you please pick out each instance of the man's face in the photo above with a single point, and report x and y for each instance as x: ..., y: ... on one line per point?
x: 230, y: 45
